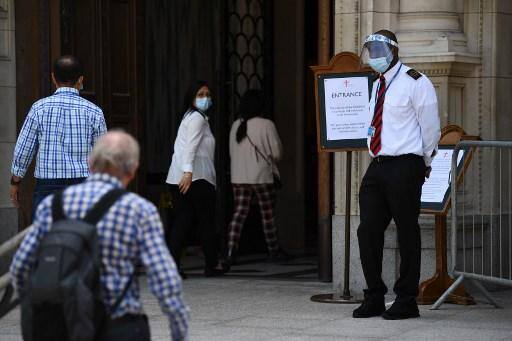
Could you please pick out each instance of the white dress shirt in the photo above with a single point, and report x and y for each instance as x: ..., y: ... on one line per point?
x: 194, y: 150
x: 410, y: 119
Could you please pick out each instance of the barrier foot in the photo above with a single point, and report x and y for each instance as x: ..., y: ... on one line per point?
x: 486, y: 293
x: 447, y: 293
x: 335, y: 298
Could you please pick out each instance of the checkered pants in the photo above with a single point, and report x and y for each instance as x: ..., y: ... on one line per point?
x: 266, y: 195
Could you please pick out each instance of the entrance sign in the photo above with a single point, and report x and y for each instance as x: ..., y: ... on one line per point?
x: 436, y: 189
x: 346, y: 107
x: 344, y: 117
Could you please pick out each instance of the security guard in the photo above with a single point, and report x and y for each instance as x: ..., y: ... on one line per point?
x: 402, y: 140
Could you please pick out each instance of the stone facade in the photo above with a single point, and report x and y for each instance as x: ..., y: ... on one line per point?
x: 8, y: 214
x: 463, y: 46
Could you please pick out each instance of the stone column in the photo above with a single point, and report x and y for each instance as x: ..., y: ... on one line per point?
x: 8, y: 214
x: 432, y: 26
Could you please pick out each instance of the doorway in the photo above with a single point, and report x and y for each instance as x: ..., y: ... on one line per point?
x: 139, y: 57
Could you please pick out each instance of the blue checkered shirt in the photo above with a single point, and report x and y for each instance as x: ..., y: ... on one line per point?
x: 62, y: 129
x: 130, y: 234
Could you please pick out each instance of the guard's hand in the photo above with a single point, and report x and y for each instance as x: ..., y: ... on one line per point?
x: 13, y: 193
x: 185, y: 182
x: 427, y: 172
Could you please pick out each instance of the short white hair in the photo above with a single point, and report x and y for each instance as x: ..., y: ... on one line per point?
x: 115, y: 151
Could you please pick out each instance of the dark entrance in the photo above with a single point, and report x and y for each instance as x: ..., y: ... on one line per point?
x: 140, y: 56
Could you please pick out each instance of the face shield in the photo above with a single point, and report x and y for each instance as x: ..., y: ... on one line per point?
x: 377, y: 52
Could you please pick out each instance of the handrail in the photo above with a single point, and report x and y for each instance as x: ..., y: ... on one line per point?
x: 7, y: 303
x: 7, y: 247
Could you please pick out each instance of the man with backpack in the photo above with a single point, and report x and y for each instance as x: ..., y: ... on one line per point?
x: 75, y: 271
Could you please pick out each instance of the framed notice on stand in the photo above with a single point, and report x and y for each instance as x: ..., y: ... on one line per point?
x: 343, y: 117
x: 436, y: 190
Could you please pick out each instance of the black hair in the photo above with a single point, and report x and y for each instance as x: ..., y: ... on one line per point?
x: 190, y: 95
x: 251, y: 105
x: 67, y: 70
x: 388, y: 34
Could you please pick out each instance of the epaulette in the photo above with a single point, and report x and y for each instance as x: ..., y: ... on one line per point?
x: 414, y: 74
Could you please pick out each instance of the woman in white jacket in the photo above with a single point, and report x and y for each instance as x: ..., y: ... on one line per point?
x: 193, y: 180
x: 254, y: 147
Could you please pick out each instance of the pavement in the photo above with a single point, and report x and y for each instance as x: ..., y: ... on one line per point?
x: 258, y: 301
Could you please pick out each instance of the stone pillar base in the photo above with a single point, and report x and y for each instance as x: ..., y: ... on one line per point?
x: 391, y: 259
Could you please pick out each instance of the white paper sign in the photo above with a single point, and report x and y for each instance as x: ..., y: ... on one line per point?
x: 437, y: 184
x: 346, y: 108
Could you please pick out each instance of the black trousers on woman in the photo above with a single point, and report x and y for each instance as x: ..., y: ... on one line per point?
x: 196, y: 208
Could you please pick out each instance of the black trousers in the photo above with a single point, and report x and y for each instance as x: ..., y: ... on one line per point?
x: 391, y: 188
x: 195, y: 208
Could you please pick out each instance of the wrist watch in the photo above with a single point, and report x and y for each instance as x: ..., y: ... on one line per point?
x: 14, y: 182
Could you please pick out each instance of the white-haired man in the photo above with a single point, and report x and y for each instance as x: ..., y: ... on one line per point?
x: 129, y: 234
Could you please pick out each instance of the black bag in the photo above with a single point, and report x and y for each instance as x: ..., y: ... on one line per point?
x: 277, y: 181
x: 62, y: 300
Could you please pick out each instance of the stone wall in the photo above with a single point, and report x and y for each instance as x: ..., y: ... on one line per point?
x: 8, y: 214
x: 463, y: 46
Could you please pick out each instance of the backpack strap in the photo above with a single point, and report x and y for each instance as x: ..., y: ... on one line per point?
x: 57, y: 211
x: 103, y: 205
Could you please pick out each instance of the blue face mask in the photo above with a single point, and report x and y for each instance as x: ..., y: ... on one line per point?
x: 380, y: 64
x: 203, y: 103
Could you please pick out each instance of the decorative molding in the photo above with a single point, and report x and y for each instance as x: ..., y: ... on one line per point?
x: 4, y: 9
x: 5, y: 41
x: 449, y: 64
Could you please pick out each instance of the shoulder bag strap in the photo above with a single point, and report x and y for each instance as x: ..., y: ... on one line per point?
x: 123, y: 294
x: 259, y: 152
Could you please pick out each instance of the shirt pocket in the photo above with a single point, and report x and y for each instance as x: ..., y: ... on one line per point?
x: 397, y: 107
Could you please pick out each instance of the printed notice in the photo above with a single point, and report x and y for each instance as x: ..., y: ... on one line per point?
x: 346, y: 108
x: 435, y: 187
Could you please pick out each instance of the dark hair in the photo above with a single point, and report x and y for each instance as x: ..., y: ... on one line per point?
x: 390, y: 35
x: 67, y: 70
x: 251, y: 105
x: 190, y: 95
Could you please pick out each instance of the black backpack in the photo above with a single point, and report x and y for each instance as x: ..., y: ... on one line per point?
x: 63, y: 300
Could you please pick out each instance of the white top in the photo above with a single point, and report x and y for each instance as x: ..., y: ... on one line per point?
x: 247, y: 165
x: 410, y: 119
x: 194, y: 150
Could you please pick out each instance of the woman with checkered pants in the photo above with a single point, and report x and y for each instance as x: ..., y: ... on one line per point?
x: 254, y: 147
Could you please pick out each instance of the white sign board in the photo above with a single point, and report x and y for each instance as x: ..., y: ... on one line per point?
x: 435, y: 187
x: 346, y: 108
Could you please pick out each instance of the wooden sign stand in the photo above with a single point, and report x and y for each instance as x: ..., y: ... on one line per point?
x: 344, y: 63
x: 431, y: 289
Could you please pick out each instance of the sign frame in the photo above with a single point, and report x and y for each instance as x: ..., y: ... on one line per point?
x: 441, y: 206
x: 343, y: 63
x: 344, y: 144
x: 450, y: 136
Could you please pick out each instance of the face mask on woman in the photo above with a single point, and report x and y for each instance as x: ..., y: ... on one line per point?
x: 203, y: 103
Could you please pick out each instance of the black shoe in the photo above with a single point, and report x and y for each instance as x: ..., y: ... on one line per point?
x: 402, y: 309
x: 212, y: 272
x: 371, y: 306
x: 279, y: 256
x: 230, y: 260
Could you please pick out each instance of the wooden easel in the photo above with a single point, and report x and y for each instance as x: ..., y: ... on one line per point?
x: 347, y: 63
x: 431, y: 289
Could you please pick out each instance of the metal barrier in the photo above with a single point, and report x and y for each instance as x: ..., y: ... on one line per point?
x: 481, y: 219
x: 7, y: 302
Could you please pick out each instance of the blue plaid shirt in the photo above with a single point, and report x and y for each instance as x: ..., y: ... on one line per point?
x: 130, y: 234
x: 62, y: 129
